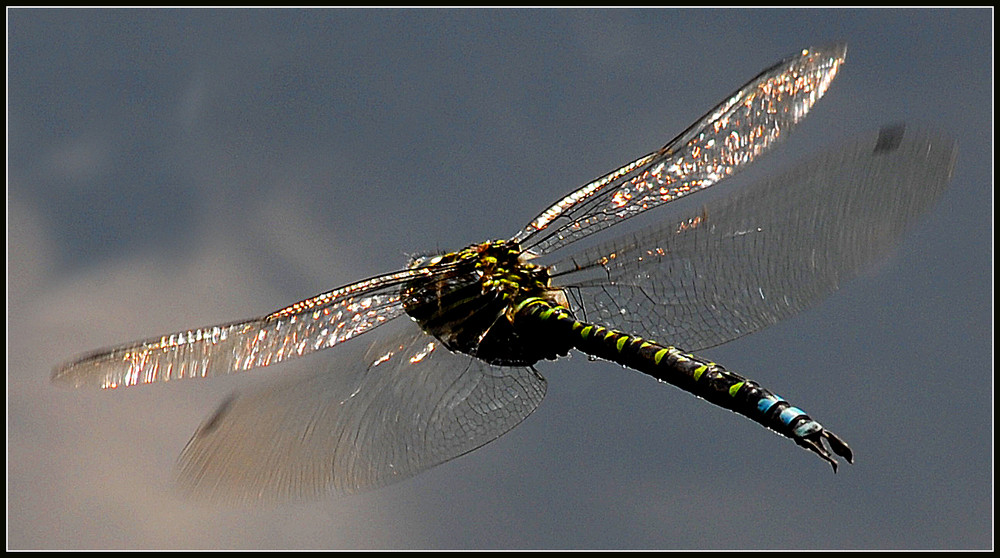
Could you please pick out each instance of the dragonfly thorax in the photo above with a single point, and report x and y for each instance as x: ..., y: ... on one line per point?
x: 467, y: 299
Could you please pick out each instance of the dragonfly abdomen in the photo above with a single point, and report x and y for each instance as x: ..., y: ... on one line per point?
x: 691, y: 373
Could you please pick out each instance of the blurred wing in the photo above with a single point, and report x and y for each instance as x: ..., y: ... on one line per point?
x: 307, y: 326
x: 748, y: 260
x: 409, y: 405
x: 730, y: 136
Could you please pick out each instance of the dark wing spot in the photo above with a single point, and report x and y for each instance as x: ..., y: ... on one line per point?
x: 889, y: 138
x: 213, y: 421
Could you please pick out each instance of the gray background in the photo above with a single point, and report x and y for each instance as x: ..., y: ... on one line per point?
x: 170, y: 169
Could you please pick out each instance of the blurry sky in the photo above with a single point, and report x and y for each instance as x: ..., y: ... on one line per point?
x: 177, y: 168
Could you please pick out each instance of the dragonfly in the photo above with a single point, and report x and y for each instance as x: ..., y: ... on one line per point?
x: 457, y: 336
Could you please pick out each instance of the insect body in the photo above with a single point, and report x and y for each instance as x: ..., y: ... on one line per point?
x: 468, y: 302
x: 457, y: 336
x: 489, y: 303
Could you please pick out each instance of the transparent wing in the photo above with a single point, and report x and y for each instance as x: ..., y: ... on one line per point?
x: 408, y: 405
x: 730, y: 136
x: 736, y: 265
x: 307, y: 326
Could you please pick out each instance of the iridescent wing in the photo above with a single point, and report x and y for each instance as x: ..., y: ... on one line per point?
x: 302, y: 328
x: 729, y: 137
x: 408, y: 405
x: 748, y: 260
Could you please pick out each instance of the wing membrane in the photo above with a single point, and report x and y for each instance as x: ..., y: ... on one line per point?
x: 409, y: 405
x: 313, y: 324
x: 746, y: 261
x: 729, y: 137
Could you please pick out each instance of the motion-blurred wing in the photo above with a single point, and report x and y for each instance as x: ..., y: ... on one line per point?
x: 409, y: 405
x: 738, y: 264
